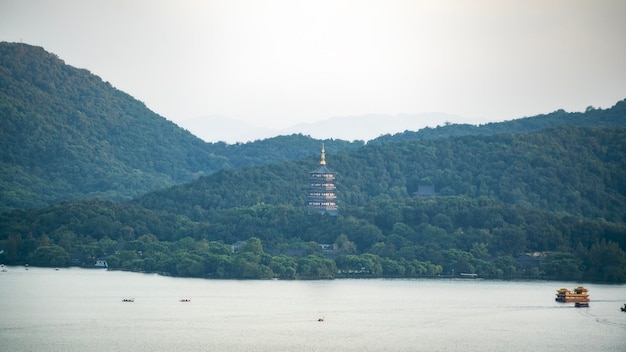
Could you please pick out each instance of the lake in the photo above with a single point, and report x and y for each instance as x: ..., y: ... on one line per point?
x: 82, y: 310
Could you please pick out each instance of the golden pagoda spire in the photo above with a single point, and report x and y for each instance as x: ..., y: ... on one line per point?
x: 323, y: 161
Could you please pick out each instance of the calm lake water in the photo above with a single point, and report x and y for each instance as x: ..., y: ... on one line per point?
x: 82, y: 310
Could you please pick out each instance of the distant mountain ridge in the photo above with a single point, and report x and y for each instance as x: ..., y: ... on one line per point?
x: 615, y: 116
x: 370, y: 126
x: 381, y: 128
x: 214, y: 129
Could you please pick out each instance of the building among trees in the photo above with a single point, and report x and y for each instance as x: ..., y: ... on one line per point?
x: 322, y: 191
x: 425, y: 191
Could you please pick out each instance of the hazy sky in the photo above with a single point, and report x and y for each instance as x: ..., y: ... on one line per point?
x: 281, y: 62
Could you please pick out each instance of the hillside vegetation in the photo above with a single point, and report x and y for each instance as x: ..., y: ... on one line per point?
x: 87, y: 172
x: 66, y: 134
x: 557, y: 193
x: 592, y: 117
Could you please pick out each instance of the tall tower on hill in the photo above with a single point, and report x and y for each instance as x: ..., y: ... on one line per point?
x: 322, y: 192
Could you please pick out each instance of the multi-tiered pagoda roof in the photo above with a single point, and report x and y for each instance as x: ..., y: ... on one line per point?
x: 322, y: 191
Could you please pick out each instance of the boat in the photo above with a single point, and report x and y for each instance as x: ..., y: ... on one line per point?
x: 579, y: 294
x: 101, y: 264
x: 186, y: 300
x: 128, y: 300
x: 623, y: 308
x: 468, y: 276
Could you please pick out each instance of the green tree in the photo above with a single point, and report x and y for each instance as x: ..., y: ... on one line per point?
x: 607, y: 262
x: 253, y: 245
x: 314, y: 267
x: 50, y: 256
x: 561, y: 265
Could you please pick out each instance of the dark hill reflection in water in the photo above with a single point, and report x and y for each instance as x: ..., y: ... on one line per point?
x: 82, y: 310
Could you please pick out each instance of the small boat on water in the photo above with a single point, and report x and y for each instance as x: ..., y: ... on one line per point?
x: 468, y: 276
x: 579, y: 294
x: 186, y: 300
x: 623, y: 308
x: 101, y: 264
x: 128, y: 300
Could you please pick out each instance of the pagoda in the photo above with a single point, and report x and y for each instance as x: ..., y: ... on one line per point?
x: 322, y: 192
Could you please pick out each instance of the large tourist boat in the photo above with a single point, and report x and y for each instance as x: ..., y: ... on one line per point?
x: 579, y: 294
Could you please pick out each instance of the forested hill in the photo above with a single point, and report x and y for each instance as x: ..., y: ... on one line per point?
x: 66, y: 134
x: 550, y: 185
x: 542, y: 205
x: 570, y: 170
x: 614, y: 116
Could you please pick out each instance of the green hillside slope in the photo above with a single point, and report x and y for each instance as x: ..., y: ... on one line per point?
x: 66, y: 134
x: 572, y: 170
x: 614, y: 116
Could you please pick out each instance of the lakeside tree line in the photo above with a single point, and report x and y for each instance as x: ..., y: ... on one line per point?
x: 387, y: 238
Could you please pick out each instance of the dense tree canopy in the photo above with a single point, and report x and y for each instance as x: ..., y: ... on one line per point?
x: 66, y: 134
x: 572, y: 170
x: 540, y: 197
x: 557, y: 193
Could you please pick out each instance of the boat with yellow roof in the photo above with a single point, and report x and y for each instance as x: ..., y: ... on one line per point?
x: 579, y: 294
